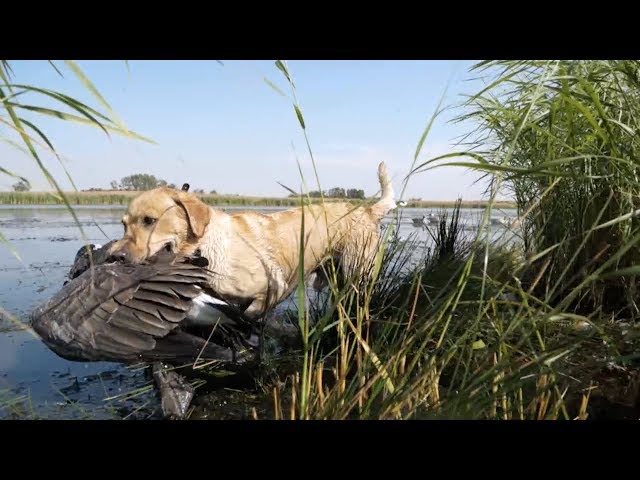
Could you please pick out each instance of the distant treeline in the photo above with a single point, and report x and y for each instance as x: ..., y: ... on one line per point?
x: 337, y: 192
x: 124, y: 197
x: 141, y: 182
x: 123, y: 191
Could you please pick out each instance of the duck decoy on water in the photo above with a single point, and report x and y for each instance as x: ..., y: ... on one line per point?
x: 426, y: 219
x: 504, y: 221
x: 157, y: 311
x: 433, y: 218
x: 420, y: 221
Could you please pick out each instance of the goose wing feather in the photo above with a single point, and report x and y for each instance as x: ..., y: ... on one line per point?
x: 117, y: 311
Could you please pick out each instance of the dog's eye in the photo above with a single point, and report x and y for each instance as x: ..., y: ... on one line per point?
x: 148, y: 221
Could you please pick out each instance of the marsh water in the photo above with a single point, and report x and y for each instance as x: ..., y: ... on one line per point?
x: 35, y: 382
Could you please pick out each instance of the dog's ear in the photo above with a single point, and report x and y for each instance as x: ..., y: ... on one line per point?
x: 198, y: 213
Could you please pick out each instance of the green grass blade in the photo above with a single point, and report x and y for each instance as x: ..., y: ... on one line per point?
x: 50, y: 145
x: 299, y: 115
x: 25, y: 138
x: 89, y: 85
x: 283, y: 69
x: 14, y: 144
x: 74, y: 118
x: 73, y: 104
x: 274, y: 87
x: 11, y: 248
x: 5, y: 73
x: 54, y: 66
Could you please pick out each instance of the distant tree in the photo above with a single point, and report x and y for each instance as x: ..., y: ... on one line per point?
x: 198, y: 190
x: 140, y: 181
x: 21, y: 186
x: 172, y: 185
x: 336, y: 192
x: 114, y: 185
x: 213, y: 192
x: 355, y: 193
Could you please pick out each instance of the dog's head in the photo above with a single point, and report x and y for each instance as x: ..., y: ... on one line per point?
x: 161, y: 218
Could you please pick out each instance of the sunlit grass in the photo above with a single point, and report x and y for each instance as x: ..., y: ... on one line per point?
x: 486, y: 330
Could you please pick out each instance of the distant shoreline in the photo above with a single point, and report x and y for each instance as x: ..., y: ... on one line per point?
x: 124, y: 197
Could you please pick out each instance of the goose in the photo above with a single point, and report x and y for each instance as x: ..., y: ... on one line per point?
x: 156, y: 312
x: 433, y: 218
x: 426, y: 219
x: 502, y: 221
x: 420, y: 222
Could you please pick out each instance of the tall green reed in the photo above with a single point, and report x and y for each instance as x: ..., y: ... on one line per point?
x: 18, y: 99
x: 456, y: 337
x: 561, y: 136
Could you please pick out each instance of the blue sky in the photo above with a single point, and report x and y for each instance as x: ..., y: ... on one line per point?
x: 222, y: 127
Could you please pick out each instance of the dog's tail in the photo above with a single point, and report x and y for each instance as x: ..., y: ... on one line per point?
x: 386, y: 202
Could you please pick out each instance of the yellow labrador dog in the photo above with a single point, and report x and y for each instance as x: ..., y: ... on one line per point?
x: 255, y: 256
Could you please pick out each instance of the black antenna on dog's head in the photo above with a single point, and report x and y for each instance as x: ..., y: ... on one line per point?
x: 185, y: 187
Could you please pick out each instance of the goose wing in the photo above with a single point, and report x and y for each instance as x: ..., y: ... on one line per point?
x: 120, y: 312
